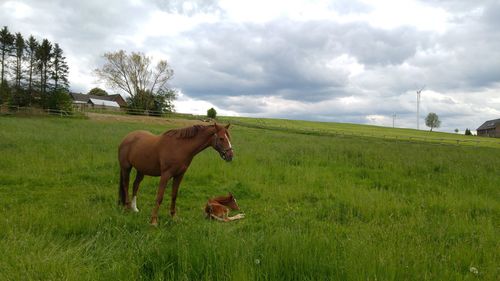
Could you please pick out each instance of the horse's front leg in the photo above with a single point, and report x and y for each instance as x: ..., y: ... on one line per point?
x: 159, y: 197
x: 175, y: 188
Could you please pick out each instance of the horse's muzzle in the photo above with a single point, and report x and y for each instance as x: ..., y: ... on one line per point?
x: 227, y: 155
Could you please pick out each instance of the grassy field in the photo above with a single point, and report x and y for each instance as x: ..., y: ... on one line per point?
x: 356, y: 130
x: 317, y: 208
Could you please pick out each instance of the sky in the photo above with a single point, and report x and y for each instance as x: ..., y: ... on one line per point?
x: 355, y: 61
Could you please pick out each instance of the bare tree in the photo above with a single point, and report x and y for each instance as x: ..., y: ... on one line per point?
x: 134, y: 73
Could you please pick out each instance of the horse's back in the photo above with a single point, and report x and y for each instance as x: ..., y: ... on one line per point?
x: 137, y: 139
x: 139, y: 149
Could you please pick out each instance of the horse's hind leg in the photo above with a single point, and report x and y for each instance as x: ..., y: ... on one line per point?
x: 124, y: 183
x: 138, y: 178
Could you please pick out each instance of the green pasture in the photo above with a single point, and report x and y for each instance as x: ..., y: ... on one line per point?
x: 318, y: 207
x: 355, y: 130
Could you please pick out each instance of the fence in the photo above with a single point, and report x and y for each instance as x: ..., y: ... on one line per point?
x: 17, y: 110
x: 79, y: 112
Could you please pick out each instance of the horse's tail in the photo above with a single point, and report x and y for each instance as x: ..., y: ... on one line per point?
x: 121, y: 190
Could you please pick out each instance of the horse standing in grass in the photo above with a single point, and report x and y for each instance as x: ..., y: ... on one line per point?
x: 218, y: 208
x: 167, y: 156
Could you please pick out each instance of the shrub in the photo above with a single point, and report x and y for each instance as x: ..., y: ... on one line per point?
x: 59, y: 99
x: 212, y: 113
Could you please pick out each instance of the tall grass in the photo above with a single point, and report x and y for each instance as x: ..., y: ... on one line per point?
x: 317, y: 208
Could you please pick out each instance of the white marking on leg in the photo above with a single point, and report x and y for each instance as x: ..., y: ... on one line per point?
x: 134, y: 204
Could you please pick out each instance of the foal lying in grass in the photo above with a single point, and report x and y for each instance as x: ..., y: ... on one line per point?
x: 218, y: 208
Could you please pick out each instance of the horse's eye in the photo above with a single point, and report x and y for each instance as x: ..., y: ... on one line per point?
x: 221, y: 139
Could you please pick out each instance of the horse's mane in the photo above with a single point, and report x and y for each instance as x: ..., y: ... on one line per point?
x: 186, y: 133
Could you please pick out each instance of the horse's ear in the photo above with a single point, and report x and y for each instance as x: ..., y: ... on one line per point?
x: 230, y: 195
x: 217, y: 127
x: 227, y: 126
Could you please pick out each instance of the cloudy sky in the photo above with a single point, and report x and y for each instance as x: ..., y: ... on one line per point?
x: 355, y: 61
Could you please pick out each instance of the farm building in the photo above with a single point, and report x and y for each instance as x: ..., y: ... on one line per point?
x: 490, y: 128
x: 83, y: 101
x: 98, y: 103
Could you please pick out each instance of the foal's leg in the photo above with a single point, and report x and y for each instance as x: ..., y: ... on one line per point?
x: 175, y: 188
x: 159, y: 198
x: 236, y: 217
x: 217, y: 218
x: 138, y: 178
x: 125, y: 174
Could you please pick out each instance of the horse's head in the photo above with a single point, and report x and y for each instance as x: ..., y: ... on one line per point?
x: 232, y: 202
x: 222, y: 142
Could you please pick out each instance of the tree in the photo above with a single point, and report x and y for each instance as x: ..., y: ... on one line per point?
x: 468, y: 132
x: 6, y: 48
x: 143, y: 100
x: 432, y: 121
x: 212, y: 113
x: 19, y: 46
x: 59, y: 99
x: 456, y: 130
x: 19, y: 95
x: 156, y: 104
x: 134, y: 73
x: 164, y: 100
x: 44, y: 56
x: 31, y: 47
x: 97, y: 92
x: 59, y: 69
x: 31, y: 60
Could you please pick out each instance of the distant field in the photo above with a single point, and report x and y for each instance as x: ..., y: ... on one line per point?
x: 318, y: 206
x: 346, y: 129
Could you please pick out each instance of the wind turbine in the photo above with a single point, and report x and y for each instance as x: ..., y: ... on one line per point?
x: 418, y: 107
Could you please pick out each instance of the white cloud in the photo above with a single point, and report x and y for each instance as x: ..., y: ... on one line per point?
x: 17, y: 10
x: 347, y: 60
x: 391, y: 14
x: 185, y: 104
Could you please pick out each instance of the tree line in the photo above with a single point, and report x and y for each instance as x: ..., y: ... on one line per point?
x: 33, y: 72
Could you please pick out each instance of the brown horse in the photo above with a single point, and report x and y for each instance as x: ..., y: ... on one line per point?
x: 167, y: 156
x: 218, y: 208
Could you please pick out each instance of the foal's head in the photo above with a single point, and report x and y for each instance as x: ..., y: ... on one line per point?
x: 228, y: 201
x: 222, y: 142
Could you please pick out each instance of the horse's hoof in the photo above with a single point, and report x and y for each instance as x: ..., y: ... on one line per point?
x: 154, y: 222
x: 135, y: 210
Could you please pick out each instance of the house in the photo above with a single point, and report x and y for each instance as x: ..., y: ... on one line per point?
x: 83, y: 101
x: 490, y: 128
